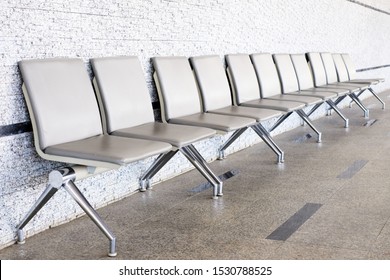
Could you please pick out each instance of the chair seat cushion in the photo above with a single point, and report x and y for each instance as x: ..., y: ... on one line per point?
x: 285, y: 106
x: 215, y: 121
x: 321, y: 93
x: 174, y: 134
x: 111, y: 149
x: 340, y: 87
x: 340, y: 91
x: 367, y: 81
x: 256, y: 113
x: 361, y: 86
x: 308, y: 100
x: 349, y: 86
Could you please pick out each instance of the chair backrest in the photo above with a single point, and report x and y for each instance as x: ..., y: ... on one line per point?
x: 317, y: 68
x: 176, y: 87
x: 243, y: 78
x: 302, y: 69
x: 288, y: 77
x: 121, y: 89
x: 212, y: 82
x: 330, y: 68
x: 61, y: 101
x: 267, y: 74
x: 350, y: 66
x: 341, y: 69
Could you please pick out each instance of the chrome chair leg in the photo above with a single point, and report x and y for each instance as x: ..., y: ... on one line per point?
x: 360, y: 104
x: 64, y: 178
x: 314, y: 109
x: 154, y: 168
x: 204, y: 164
x: 337, y: 101
x: 355, y: 98
x: 303, y: 115
x: 187, y: 153
x: 337, y: 110
x: 269, y: 141
x: 71, y: 188
x: 232, y: 138
x: 357, y: 95
x: 262, y: 128
x: 280, y: 121
x: 377, y: 97
x: 42, y: 200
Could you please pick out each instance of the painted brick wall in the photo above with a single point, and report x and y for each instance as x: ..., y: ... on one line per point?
x: 86, y: 29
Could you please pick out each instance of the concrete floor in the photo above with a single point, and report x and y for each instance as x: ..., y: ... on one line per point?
x: 346, y: 178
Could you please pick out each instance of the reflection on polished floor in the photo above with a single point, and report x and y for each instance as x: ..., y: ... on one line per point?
x: 327, y: 201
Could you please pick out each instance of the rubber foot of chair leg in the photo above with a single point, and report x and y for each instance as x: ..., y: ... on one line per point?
x: 346, y: 124
x: 149, y: 185
x: 112, y: 250
x: 145, y: 185
x: 142, y: 187
x: 221, y: 155
x: 280, y: 159
x: 319, y: 139
x: 21, y: 239
x: 219, y: 191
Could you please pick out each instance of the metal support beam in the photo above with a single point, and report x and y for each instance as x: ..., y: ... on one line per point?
x: 280, y: 120
x: 159, y: 163
x: 232, y: 138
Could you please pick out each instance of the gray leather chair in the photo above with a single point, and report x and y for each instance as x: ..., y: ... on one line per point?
x: 325, y: 76
x: 181, y: 103
x: 127, y: 112
x: 352, y: 72
x: 295, y: 78
x: 67, y: 128
x: 216, y: 98
x: 257, y: 85
x: 344, y: 76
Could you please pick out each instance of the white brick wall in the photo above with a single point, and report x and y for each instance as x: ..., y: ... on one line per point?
x: 40, y: 29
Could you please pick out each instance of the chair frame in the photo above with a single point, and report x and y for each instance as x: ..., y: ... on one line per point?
x: 236, y: 134
x: 306, y: 91
x: 189, y: 151
x: 65, y: 178
x: 300, y: 112
x: 258, y: 128
x: 321, y: 66
x: 346, y: 67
